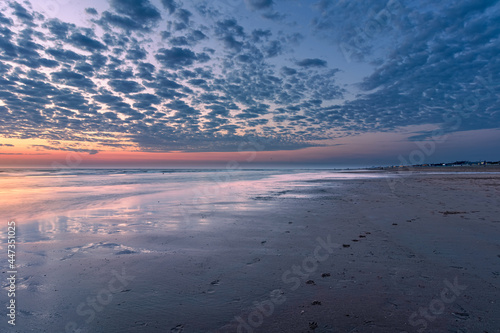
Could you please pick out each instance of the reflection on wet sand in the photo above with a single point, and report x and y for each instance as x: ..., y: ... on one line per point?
x: 139, y: 202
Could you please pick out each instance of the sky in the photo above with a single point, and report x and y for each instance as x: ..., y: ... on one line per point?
x: 323, y: 83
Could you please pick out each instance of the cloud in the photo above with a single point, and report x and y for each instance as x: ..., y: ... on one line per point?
x: 60, y: 148
x: 196, y: 36
x: 5, y: 20
x: 258, y: 34
x: 288, y: 70
x: 65, y: 56
x: 215, y: 83
x: 136, y: 53
x: 145, y: 71
x: 122, y: 22
x: 21, y: 13
x: 170, y: 5
x: 91, y: 11
x: 274, y: 16
x: 229, y: 26
x: 72, y: 79
x: 125, y: 86
x: 138, y: 10
x: 231, y: 43
x: 183, y: 15
x: 421, y: 82
x: 130, y: 15
x: 312, y: 63
x: 59, y: 29
x: 179, y: 41
x: 176, y: 57
x: 86, y: 43
x: 259, y: 4
x: 273, y: 49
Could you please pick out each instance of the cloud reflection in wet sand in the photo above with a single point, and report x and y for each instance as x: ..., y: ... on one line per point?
x: 140, y: 202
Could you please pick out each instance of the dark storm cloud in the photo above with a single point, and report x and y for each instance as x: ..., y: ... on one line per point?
x: 312, y: 63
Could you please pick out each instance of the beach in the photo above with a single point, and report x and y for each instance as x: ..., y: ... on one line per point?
x: 255, y: 251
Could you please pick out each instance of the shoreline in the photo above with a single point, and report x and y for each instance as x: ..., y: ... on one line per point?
x: 393, y: 244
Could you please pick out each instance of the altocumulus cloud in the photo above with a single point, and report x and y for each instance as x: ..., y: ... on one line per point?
x: 195, y: 78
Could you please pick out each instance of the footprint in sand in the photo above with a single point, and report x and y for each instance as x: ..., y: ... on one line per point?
x: 253, y: 261
x: 177, y: 329
x: 214, y: 283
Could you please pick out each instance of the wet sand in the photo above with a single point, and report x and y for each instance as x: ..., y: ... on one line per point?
x: 415, y: 253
